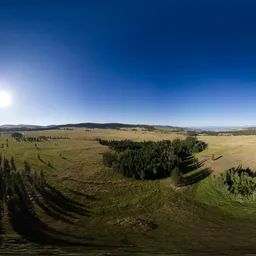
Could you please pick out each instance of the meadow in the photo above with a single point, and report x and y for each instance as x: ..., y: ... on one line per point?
x: 94, y: 210
x: 231, y: 150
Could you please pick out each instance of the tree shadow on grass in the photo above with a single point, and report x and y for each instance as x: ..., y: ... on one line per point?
x: 52, y: 211
x: 218, y: 157
x: 198, y: 176
x: 191, y: 168
x: 51, y: 166
x: 60, y: 203
x: 77, y: 193
x: 42, y: 161
x: 25, y: 221
x: 190, y: 164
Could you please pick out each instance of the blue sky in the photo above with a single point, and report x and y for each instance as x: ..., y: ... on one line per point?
x: 186, y: 63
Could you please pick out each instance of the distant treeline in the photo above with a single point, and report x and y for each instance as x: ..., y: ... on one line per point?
x: 25, y: 129
x: 230, y: 133
x: 83, y: 125
x: 21, y: 137
x: 148, y: 159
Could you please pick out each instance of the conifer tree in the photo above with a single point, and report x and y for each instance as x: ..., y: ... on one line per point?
x: 13, y: 167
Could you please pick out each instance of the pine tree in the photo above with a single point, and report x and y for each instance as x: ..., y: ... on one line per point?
x: 27, y: 168
x: 13, y: 167
x: 42, y: 178
x: 177, y: 177
x: 36, y: 178
x: 6, y: 166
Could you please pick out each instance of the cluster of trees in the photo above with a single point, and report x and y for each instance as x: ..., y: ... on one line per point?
x: 149, y: 128
x: 5, y: 144
x: 148, y: 159
x: 122, y: 145
x: 21, y: 137
x: 240, y: 181
x: 192, y: 133
x: 22, y: 192
x: 17, y: 136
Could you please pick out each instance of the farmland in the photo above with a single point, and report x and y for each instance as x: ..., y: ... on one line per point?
x: 99, y: 210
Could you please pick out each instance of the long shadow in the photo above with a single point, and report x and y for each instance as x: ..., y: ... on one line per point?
x: 52, y: 167
x: 201, y: 163
x: 59, y: 205
x: 42, y: 161
x: 54, y: 197
x: 198, y: 176
x: 189, y: 165
x: 52, y: 211
x: 217, y: 158
x: 77, y: 193
x: 25, y: 222
x: 47, y: 164
x: 54, y: 202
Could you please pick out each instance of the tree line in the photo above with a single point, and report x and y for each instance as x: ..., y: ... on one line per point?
x: 21, y: 137
x: 148, y: 159
x: 15, y: 186
x: 245, y: 132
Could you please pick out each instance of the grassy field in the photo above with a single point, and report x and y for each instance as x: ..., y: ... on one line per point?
x: 109, y: 213
x: 232, y: 150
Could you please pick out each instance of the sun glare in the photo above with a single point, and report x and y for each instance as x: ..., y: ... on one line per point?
x: 5, y: 99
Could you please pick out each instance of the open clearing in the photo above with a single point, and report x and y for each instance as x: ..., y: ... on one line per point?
x: 132, y: 216
x: 231, y: 150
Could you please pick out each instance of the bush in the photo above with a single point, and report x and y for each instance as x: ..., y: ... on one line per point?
x: 239, y: 181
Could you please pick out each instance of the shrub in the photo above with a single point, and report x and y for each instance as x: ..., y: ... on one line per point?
x: 239, y: 181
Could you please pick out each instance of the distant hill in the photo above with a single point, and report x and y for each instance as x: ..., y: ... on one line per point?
x: 24, y: 127
x: 172, y: 127
x: 12, y: 126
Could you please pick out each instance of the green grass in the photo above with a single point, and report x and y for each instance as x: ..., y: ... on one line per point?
x: 128, y: 215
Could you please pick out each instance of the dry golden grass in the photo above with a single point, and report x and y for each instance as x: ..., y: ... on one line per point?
x: 234, y: 150
x: 84, y: 154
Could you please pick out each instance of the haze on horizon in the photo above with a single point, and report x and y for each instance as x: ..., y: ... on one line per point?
x: 180, y: 63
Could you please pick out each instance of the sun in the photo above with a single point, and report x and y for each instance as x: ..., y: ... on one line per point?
x: 5, y: 99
